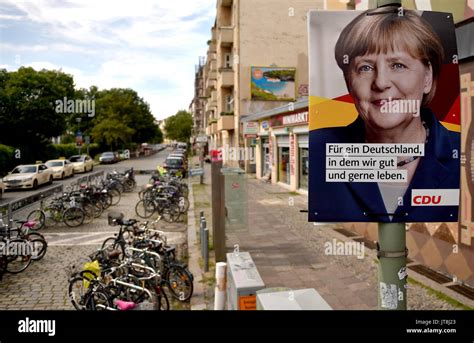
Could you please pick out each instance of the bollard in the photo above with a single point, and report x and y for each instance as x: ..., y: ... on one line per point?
x: 220, y: 290
x: 204, y: 225
x: 206, y: 249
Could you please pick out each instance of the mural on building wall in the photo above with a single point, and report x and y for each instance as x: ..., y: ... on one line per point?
x: 273, y: 83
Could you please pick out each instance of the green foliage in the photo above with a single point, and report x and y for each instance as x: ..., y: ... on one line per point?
x: 123, y: 117
x: 260, y: 94
x: 27, y: 109
x: 231, y: 113
x: 7, y: 159
x: 178, y: 127
x: 283, y: 75
x: 67, y: 150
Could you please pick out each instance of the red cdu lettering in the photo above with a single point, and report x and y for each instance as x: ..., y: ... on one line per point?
x: 417, y: 200
x: 427, y: 200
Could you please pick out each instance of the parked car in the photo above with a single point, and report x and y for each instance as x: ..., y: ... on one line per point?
x: 61, y: 168
x: 174, y: 164
x: 124, y: 154
x: 183, y: 146
x: 82, y: 163
x: 108, y: 157
x: 28, y: 176
x: 182, y: 156
x: 2, y: 189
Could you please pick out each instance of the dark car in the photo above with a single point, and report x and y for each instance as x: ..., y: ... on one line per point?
x: 175, y: 164
x: 108, y: 157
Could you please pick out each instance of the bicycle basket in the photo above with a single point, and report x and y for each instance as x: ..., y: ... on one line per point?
x: 113, y: 217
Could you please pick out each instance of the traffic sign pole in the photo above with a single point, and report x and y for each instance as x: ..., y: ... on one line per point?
x: 391, y: 251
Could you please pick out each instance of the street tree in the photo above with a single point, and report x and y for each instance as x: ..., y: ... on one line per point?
x: 179, y: 126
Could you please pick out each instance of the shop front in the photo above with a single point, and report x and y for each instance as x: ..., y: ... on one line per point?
x: 282, y: 146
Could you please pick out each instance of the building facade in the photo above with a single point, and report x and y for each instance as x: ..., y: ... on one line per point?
x: 246, y: 42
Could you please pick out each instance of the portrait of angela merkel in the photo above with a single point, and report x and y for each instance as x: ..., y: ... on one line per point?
x: 391, y: 62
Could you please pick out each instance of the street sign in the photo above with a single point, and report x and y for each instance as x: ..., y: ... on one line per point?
x: 196, y: 172
x: 250, y: 128
x: 201, y: 139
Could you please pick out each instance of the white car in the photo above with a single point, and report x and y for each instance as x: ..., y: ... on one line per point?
x: 2, y: 189
x: 61, y: 168
x: 28, y: 176
x: 82, y: 163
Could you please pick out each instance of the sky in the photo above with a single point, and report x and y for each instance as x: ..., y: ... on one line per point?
x: 150, y: 46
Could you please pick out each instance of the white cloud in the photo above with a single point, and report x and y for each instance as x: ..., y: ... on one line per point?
x: 147, y: 45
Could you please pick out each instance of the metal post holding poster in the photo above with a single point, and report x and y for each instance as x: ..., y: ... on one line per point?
x: 385, y: 131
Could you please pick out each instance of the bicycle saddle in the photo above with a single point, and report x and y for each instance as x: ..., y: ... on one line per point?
x: 124, y: 305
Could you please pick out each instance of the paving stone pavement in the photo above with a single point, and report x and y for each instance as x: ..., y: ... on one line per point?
x: 43, y: 286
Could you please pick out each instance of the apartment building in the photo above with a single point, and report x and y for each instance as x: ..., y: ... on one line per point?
x: 249, y: 38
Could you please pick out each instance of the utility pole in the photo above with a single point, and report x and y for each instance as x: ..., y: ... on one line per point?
x: 391, y: 250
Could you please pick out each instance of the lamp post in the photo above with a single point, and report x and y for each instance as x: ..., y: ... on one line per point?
x: 78, y: 140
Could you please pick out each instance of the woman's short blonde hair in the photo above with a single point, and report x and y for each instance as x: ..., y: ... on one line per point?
x: 384, y: 30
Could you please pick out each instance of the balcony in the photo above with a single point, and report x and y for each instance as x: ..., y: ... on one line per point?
x: 226, y: 36
x: 211, y: 84
x: 213, y: 65
x: 226, y: 77
x: 225, y: 123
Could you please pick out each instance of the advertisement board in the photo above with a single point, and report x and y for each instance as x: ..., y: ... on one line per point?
x: 273, y: 83
x: 385, y: 131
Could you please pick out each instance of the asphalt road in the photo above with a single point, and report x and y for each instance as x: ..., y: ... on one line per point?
x: 142, y: 163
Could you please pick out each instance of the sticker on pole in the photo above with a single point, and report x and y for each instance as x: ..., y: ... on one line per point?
x: 384, y: 116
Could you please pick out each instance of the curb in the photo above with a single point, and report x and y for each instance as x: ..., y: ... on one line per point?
x: 197, y: 301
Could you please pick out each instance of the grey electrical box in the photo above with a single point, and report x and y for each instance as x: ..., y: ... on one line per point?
x: 243, y: 282
x: 300, y: 299
x: 236, y: 203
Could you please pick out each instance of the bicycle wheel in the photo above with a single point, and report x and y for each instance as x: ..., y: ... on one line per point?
x: 162, y: 300
x: 74, y: 217
x: 39, y: 246
x: 111, y: 244
x: 52, y: 216
x: 77, y: 292
x: 145, y: 208
x: 180, y: 282
x: 170, y: 213
x: 20, y: 258
x: 129, y: 185
x: 116, y: 195
x: 89, y: 211
x: 78, y: 288
x: 38, y: 217
x: 183, y: 204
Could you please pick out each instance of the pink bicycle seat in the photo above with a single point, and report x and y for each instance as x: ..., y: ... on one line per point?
x: 30, y: 224
x: 125, y: 305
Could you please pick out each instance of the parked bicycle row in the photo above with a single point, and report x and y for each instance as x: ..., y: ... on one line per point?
x: 80, y: 204
x: 20, y: 246
x: 131, y: 270
x: 165, y: 195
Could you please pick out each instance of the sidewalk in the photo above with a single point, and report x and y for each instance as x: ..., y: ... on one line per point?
x: 290, y: 252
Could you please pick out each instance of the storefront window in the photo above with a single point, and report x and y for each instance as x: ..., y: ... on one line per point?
x: 304, y: 167
x: 284, y: 165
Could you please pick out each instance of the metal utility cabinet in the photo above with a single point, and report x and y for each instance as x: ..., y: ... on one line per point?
x: 243, y: 282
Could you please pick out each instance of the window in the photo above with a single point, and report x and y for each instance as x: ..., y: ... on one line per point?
x: 304, y: 167
x: 229, y: 103
x: 227, y: 60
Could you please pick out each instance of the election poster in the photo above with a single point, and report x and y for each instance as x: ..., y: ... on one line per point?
x: 384, y: 116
